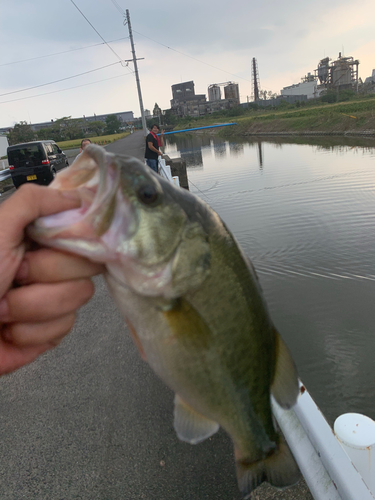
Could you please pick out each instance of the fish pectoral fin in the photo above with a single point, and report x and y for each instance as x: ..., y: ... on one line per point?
x: 191, y: 426
x: 284, y: 387
x: 279, y: 469
x: 135, y: 339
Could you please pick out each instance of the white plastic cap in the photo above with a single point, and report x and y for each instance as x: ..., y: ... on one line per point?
x: 355, y: 430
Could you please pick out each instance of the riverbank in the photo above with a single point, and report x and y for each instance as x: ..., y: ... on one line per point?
x: 351, y: 118
x: 354, y: 118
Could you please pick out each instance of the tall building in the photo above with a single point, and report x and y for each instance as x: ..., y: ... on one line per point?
x: 185, y: 101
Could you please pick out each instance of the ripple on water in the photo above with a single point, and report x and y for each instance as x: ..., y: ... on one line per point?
x: 305, y: 216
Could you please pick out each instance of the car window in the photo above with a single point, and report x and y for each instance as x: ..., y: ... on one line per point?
x: 55, y: 149
x: 48, y: 149
x: 28, y: 156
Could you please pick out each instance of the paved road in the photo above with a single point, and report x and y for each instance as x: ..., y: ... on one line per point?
x: 90, y: 421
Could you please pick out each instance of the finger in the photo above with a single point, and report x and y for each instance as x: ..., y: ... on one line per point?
x: 48, y: 266
x: 39, y: 333
x: 13, y: 357
x: 44, y: 301
x: 27, y: 204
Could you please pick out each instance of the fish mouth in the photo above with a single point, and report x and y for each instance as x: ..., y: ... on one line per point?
x: 89, y: 230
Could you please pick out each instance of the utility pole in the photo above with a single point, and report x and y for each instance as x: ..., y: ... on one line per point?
x: 136, y: 74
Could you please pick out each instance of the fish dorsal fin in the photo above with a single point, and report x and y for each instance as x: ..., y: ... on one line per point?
x: 191, y: 426
x: 285, y: 387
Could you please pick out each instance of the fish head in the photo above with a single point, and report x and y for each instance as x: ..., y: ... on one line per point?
x: 132, y: 220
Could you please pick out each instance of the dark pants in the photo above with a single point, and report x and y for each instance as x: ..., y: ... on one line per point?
x: 152, y: 164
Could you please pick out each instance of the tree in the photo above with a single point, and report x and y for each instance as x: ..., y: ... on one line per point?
x: 112, y: 124
x: 96, y: 127
x: 45, y: 133
x: 329, y: 96
x: 170, y: 118
x: 21, y: 132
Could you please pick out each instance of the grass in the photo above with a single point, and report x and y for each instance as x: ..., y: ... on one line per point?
x: 341, y: 117
x: 355, y: 115
x: 104, y: 139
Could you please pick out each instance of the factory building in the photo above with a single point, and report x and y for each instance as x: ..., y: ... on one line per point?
x: 186, y: 102
x: 123, y: 117
x: 214, y: 92
x: 371, y: 79
x: 308, y: 87
x: 340, y: 74
x: 231, y: 91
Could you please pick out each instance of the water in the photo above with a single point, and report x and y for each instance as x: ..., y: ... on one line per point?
x: 305, y: 215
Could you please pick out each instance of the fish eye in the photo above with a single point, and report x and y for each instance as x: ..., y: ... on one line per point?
x: 148, y: 194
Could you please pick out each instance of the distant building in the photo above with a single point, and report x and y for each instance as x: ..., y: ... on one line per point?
x: 147, y: 113
x: 3, y: 146
x: 124, y: 117
x: 214, y: 92
x: 265, y: 103
x: 308, y: 88
x: 186, y: 102
x: 339, y: 74
x: 231, y: 91
x: 371, y: 79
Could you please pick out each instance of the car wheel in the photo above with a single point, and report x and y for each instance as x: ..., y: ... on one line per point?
x: 67, y: 163
x: 53, y: 173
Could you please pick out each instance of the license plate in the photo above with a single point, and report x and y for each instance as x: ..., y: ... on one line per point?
x: 31, y: 178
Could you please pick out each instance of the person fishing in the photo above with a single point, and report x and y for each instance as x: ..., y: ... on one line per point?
x: 153, y: 143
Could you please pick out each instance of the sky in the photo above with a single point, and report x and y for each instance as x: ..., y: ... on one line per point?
x: 208, y: 42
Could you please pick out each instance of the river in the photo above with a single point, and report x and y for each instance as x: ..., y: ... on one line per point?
x: 304, y: 212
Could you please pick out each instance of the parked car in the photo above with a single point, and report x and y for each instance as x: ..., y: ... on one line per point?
x: 37, y: 161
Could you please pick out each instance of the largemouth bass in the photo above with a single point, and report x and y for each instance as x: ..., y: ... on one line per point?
x: 192, y: 302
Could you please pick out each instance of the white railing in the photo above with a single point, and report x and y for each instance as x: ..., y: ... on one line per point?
x: 165, y: 171
x: 329, y: 472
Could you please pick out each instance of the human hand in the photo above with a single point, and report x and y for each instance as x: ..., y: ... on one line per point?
x: 41, y: 290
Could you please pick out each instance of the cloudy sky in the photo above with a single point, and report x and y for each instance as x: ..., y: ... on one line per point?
x: 206, y: 41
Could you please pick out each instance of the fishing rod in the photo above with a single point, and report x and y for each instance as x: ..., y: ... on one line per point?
x: 198, y: 128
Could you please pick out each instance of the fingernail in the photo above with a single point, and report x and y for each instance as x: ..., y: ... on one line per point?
x: 4, y: 309
x: 23, y: 271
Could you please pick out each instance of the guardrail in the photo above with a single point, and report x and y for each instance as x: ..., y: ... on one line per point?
x: 4, y: 174
x: 329, y: 471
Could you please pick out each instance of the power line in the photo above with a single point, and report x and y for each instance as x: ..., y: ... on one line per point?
x: 96, y: 31
x: 63, y: 90
x: 61, y: 80
x: 118, y: 7
x: 63, y: 52
x: 186, y: 55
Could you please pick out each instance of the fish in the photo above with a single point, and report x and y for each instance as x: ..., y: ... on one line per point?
x: 192, y: 302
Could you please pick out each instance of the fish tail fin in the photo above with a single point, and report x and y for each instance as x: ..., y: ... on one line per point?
x: 279, y: 469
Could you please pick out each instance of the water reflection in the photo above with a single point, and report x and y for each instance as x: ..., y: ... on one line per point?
x: 303, y: 209
x: 236, y: 149
x: 260, y: 154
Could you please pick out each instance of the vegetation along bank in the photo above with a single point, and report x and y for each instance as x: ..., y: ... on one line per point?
x: 353, y: 117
